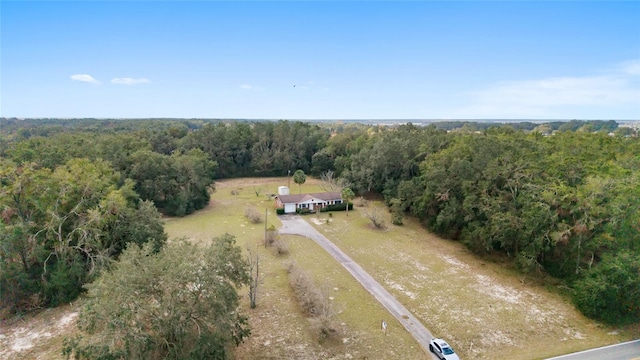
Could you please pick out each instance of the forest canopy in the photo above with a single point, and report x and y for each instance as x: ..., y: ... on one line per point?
x: 560, y: 198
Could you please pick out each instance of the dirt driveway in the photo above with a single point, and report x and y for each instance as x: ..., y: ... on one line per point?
x: 296, y: 225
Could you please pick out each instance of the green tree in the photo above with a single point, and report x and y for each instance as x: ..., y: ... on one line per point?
x: 228, y: 144
x: 611, y: 290
x: 59, y: 228
x: 180, y: 303
x: 118, y: 148
x: 397, y: 214
x: 347, y: 196
x: 195, y: 174
x: 285, y: 145
x: 178, y: 184
x: 299, y: 178
x: 321, y: 162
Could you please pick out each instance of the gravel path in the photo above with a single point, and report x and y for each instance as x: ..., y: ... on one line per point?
x: 296, y: 225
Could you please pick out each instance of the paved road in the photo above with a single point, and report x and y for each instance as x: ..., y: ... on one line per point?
x: 293, y: 224
x: 625, y: 351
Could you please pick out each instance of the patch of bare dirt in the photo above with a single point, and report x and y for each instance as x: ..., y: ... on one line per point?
x: 493, y: 310
x: 319, y: 221
x: 37, y: 336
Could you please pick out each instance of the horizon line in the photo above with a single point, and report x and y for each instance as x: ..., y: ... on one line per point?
x: 306, y: 119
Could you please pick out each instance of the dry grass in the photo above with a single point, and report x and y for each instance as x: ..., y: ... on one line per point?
x: 477, y: 306
x: 281, y: 330
x: 316, y: 302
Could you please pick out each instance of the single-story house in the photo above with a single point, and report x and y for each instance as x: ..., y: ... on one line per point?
x: 307, y: 201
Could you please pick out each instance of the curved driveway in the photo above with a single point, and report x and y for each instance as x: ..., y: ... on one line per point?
x: 294, y: 224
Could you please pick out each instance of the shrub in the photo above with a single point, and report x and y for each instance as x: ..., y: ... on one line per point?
x: 271, y: 236
x: 281, y: 247
x: 377, y: 218
x: 324, y: 326
x: 303, y: 211
x: 280, y: 211
x: 397, y: 218
x: 253, y: 215
x: 18, y: 290
x: 65, y: 282
x: 339, y: 207
x: 361, y: 202
x: 314, y: 302
x: 397, y: 215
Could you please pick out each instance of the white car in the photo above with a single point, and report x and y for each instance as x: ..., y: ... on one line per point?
x: 442, y: 349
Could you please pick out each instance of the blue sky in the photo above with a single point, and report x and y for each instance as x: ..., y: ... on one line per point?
x: 321, y: 60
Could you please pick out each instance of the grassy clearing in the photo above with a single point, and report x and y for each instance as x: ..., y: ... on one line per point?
x: 280, y: 330
x: 225, y: 212
x: 476, y: 305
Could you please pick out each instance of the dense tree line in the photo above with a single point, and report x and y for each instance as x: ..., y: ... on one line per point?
x: 258, y: 149
x: 73, y: 194
x: 565, y: 204
x: 560, y: 198
x: 60, y: 226
x: 573, y: 125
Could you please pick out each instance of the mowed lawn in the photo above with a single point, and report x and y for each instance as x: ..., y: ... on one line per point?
x: 483, y: 310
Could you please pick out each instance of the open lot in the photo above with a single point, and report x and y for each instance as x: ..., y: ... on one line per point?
x: 476, y: 305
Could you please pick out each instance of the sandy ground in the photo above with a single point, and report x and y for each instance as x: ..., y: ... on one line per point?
x: 32, y: 337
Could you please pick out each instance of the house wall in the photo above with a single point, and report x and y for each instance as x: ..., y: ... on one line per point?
x: 309, y: 204
x: 312, y: 205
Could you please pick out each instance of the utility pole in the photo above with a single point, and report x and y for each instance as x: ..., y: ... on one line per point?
x: 288, y: 178
x: 265, y: 226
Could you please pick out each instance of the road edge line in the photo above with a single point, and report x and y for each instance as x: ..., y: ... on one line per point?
x: 590, y: 350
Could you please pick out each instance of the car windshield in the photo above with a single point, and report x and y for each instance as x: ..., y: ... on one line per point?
x: 447, y: 351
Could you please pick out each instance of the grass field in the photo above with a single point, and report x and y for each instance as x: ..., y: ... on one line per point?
x: 280, y: 330
x: 476, y: 305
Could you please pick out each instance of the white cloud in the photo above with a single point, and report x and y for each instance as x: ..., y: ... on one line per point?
x: 85, y: 78
x: 129, y: 81
x: 612, y: 89
x: 630, y: 67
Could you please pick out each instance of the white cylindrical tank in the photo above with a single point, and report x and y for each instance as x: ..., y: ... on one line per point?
x: 283, y: 190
